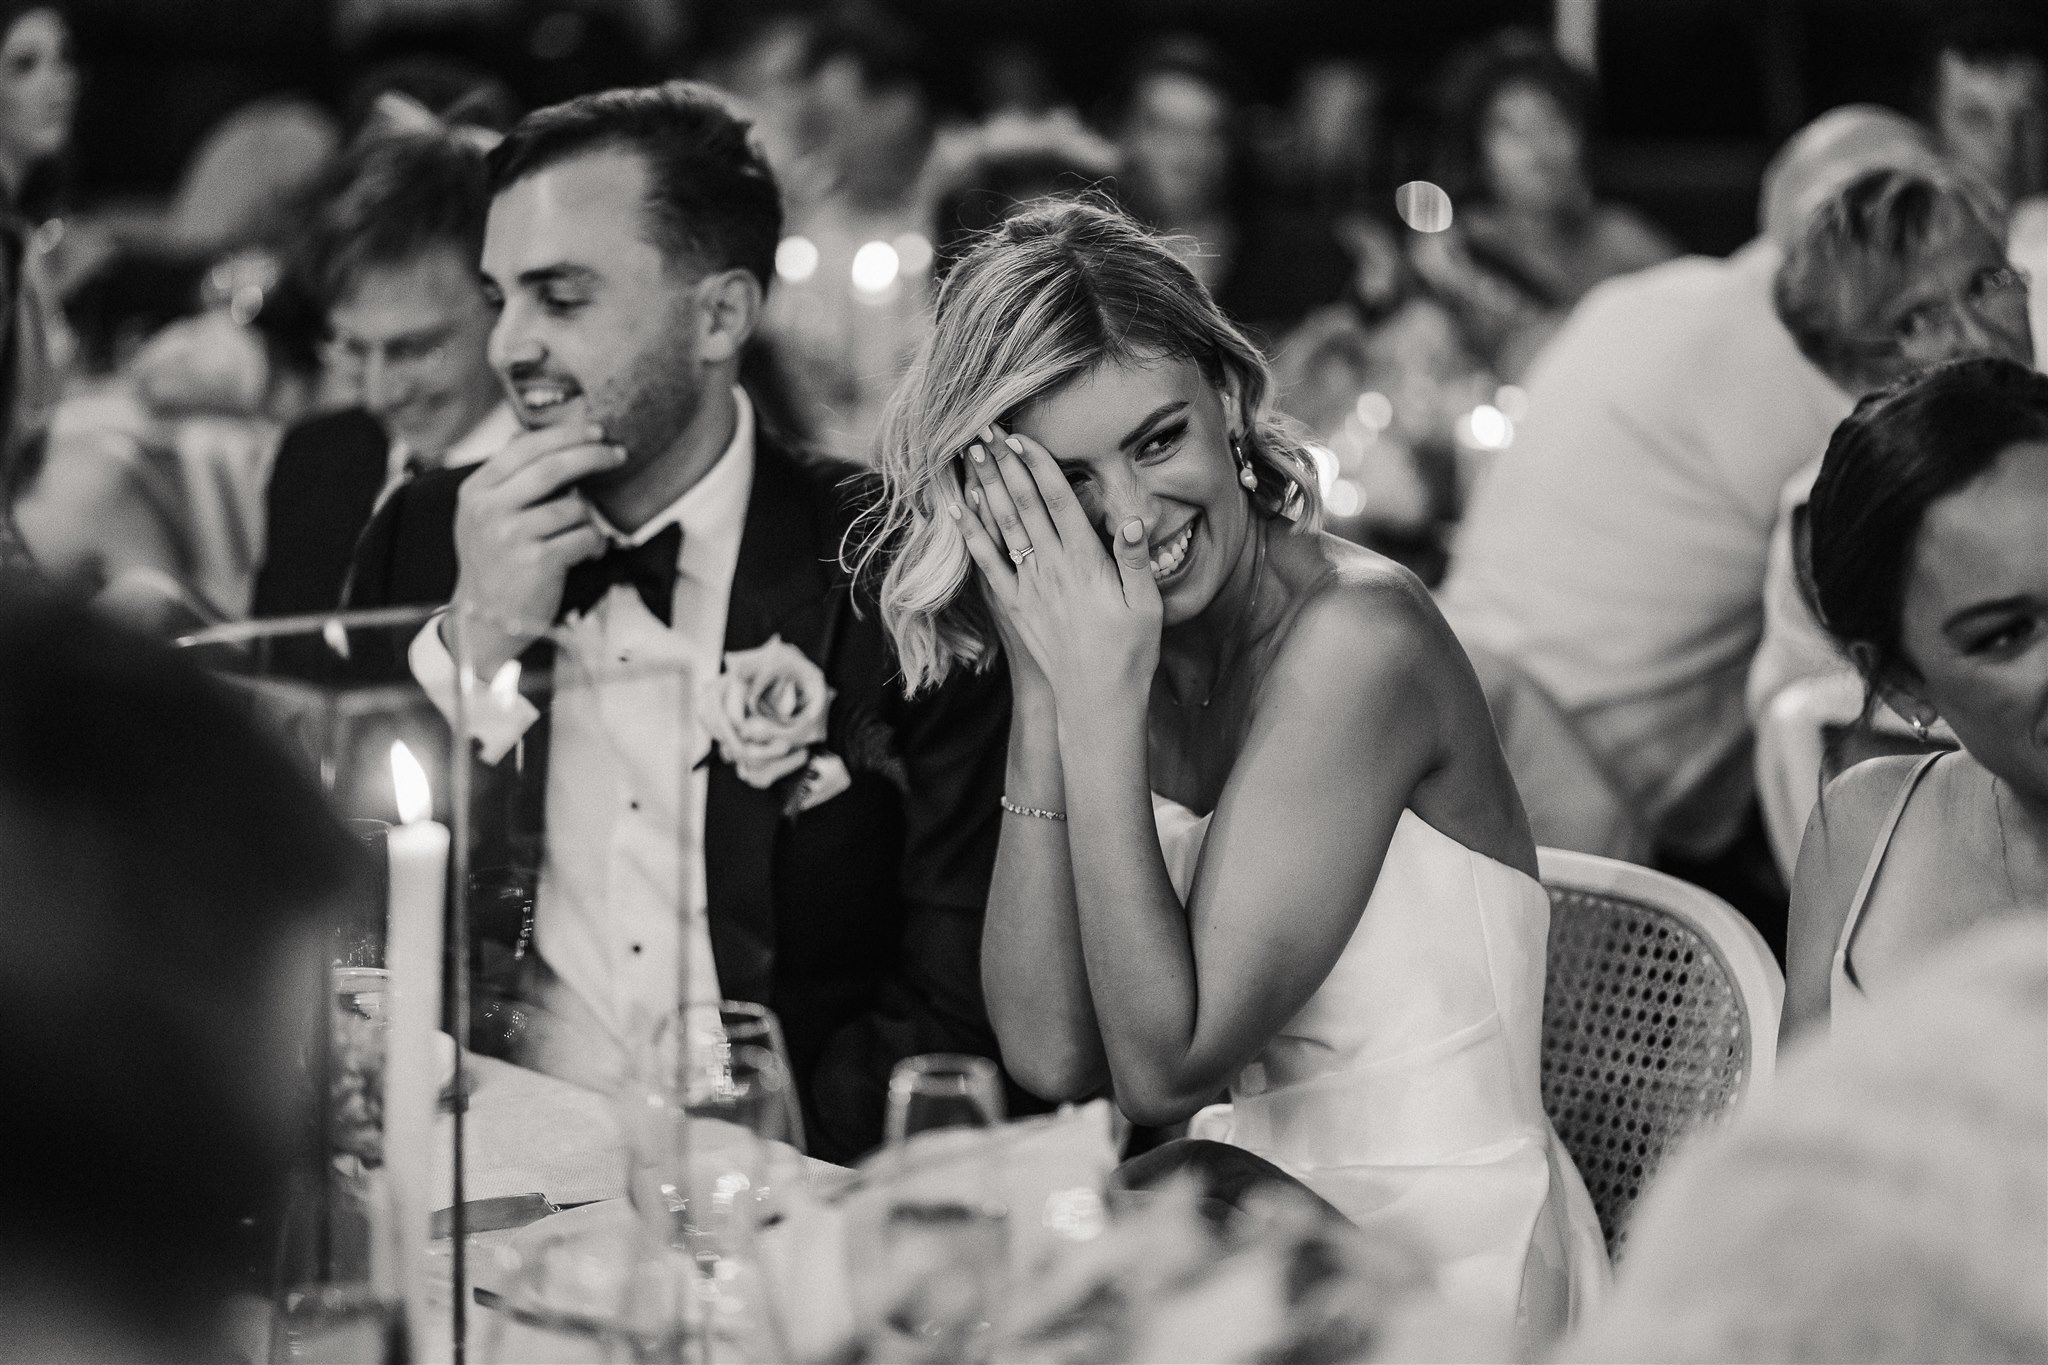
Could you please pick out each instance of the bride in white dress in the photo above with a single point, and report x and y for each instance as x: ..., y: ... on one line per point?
x: 1258, y: 836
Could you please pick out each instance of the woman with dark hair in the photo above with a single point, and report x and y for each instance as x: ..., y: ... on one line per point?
x: 1527, y: 238
x: 1185, y: 172
x: 1929, y: 565
x: 25, y: 393
x: 38, y: 101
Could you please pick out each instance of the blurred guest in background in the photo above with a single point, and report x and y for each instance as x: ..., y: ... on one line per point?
x: 24, y: 399
x: 38, y: 108
x: 392, y: 255
x: 1899, y: 271
x: 1012, y: 76
x: 1884, y: 1199
x: 1930, y: 569
x: 38, y: 102
x: 983, y: 175
x: 764, y: 64
x: 133, y: 269
x: 1527, y: 238
x: 855, y: 273
x: 1333, y: 145
x: 150, y: 496
x: 1185, y: 173
x: 457, y: 93
x: 1987, y: 98
x: 1615, y: 558
x: 164, y: 880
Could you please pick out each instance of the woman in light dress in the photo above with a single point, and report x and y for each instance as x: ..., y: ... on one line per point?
x: 1258, y: 836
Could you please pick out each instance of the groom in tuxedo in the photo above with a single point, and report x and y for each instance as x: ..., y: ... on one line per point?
x: 836, y: 869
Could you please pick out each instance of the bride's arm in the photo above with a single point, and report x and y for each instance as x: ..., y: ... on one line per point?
x: 1342, y: 732
x: 1344, y: 729
x: 1031, y: 972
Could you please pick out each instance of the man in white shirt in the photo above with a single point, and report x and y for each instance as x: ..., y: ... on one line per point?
x: 630, y: 240
x: 393, y: 255
x: 1615, y: 557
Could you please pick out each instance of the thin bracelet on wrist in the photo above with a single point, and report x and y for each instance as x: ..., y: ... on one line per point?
x: 1033, y: 811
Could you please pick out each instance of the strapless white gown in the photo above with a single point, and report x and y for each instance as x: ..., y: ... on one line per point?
x: 1407, y: 1092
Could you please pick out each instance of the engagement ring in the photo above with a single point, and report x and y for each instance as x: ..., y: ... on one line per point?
x: 1017, y: 557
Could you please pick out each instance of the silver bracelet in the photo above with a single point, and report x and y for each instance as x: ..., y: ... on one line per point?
x: 1033, y: 811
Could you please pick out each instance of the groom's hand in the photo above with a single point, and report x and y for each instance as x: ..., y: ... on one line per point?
x: 519, y: 527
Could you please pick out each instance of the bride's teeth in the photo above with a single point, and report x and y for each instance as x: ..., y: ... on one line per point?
x: 1169, y: 559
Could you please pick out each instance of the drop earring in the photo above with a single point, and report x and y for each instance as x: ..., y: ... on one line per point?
x: 1919, y: 727
x: 1245, y: 475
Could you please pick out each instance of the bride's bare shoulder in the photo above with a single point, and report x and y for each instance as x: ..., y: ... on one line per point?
x: 1362, y: 607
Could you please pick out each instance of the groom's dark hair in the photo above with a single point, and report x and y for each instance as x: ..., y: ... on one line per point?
x: 712, y: 202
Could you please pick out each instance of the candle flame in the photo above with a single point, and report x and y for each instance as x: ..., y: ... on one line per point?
x: 409, y: 784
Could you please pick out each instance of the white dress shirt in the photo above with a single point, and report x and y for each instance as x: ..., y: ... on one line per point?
x: 622, y: 887
x: 1616, y: 553
x: 484, y: 440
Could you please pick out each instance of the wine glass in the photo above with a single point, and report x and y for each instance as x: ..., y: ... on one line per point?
x: 946, y: 1236
x: 943, y: 1090
x: 735, y: 1126
x: 742, y: 1023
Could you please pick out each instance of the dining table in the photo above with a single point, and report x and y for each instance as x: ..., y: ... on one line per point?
x: 526, y: 1133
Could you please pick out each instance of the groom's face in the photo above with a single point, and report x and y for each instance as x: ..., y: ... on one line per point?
x: 595, y: 322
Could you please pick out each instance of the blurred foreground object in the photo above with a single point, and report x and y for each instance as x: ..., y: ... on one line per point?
x: 1887, y: 1199
x: 162, y: 874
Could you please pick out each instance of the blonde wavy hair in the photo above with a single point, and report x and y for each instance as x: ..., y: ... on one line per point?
x: 1058, y: 289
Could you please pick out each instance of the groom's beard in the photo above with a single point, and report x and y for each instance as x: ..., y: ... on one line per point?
x: 647, y: 409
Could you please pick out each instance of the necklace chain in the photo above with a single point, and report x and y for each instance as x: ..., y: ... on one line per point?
x: 1251, y: 607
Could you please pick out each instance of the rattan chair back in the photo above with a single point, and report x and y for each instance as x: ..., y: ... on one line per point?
x: 1660, y: 1010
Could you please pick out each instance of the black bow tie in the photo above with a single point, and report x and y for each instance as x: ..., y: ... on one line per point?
x: 649, y: 569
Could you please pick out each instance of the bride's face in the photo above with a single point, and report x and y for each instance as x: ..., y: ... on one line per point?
x: 1153, y: 441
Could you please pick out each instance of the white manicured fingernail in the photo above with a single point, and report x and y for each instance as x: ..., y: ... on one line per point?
x: 1134, y: 530
x: 954, y: 508
x: 1014, y: 444
x: 977, y: 452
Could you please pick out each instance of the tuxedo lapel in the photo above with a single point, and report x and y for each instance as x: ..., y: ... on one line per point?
x: 781, y: 586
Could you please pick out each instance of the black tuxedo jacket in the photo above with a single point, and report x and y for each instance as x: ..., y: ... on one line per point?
x: 858, y: 921
x: 323, y: 487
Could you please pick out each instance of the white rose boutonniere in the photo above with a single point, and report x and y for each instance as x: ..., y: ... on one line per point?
x: 767, y: 712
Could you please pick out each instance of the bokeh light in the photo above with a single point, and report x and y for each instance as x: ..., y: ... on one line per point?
x: 913, y: 253
x: 1345, y: 499
x: 1490, y: 427
x: 875, y: 267
x: 1375, y: 409
x: 1327, y: 466
x: 1423, y: 206
x: 796, y: 259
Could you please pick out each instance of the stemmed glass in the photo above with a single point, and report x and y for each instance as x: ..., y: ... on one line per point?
x: 943, y: 1090
x: 946, y: 1238
x: 742, y: 1023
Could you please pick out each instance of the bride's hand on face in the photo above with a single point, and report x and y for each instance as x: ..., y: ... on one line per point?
x: 1089, y: 622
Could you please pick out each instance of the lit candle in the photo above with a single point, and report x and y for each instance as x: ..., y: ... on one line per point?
x: 418, y: 849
